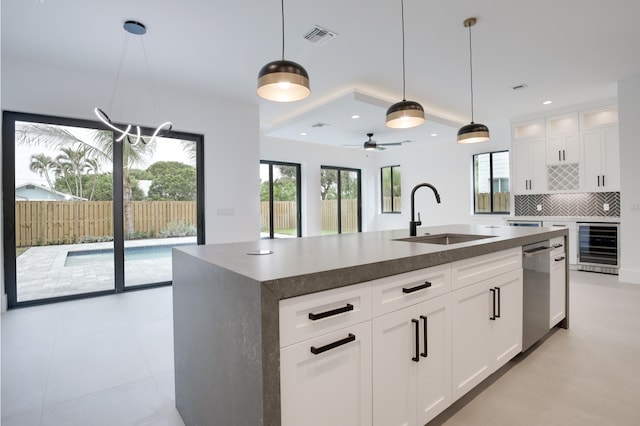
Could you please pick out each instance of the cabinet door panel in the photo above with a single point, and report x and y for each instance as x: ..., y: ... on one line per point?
x: 330, y: 388
x: 394, y: 371
x: 434, y: 369
x: 507, y: 330
x: 471, y: 361
x: 611, y: 160
x: 557, y: 292
x: 591, y: 160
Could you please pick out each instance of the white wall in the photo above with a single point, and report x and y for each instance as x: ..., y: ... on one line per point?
x: 446, y: 165
x: 231, y: 132
x: 629, y: 111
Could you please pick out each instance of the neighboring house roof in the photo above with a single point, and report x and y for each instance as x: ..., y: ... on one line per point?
x: 33, y: 192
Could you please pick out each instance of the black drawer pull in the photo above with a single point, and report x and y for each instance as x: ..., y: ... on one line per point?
x: 330, y: 313
x: 426, y: 284
x: 557, y: 245
x: 425, y: 337
x: 348, y: 339
x: 417, y: 357
x: 559, y: 259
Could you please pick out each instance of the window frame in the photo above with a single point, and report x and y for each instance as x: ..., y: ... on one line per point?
x: 393, y: 195
x: 339, y: 193
x: 491, y: 182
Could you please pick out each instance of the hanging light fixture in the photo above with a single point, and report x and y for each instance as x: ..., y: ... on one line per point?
x: 472, y: 132
x: 282, y: 80
x: 404, y: 114
x: 136, y: 28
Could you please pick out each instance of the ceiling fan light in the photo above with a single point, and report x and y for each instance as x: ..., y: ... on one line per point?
x: 473, y: 132
x: 405, y: 114
x: 283, y: 81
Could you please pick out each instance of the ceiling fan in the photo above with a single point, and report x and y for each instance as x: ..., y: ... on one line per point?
x: 371, y: 145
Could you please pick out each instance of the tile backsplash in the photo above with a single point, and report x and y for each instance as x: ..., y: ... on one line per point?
x: 574, y: 205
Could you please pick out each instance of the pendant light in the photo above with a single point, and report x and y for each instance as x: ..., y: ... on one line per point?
x: 472, y: 132
x: 138, y: 29
x: 404, y: 114
x: 282, y: 80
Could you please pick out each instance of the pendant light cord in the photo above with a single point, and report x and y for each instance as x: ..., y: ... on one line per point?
x: 404, y: 81
x: 282, y: 15
x: 471, y: 71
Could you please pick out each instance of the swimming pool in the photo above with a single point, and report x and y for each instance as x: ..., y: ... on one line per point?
x: 88, y: 257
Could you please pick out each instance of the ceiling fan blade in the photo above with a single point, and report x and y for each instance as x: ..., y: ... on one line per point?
x: 380, y: 148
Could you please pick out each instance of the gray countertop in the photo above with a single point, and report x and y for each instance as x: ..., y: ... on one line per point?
x: 303, y: 265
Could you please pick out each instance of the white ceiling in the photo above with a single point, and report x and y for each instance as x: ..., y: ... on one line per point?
x: 570, y: 51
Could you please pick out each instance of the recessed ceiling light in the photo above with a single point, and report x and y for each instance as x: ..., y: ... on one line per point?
x: 547, y: 102
x: 303, y: 133
x: 355, y: 116
x: 434, y: 134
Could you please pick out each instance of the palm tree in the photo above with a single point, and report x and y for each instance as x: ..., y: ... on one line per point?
x: 94, y: 167
x: 41, y: 164
x: 74, y: 163
x: 99, y: 146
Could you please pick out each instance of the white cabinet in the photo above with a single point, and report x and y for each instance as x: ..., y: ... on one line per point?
x: 562, y: 139
x: 412, y: 363
x: 529, y: 168
x: 325, y: 357
x: 558, y: 282
x: 600, y: 160
x: 570, y: 251
x: 327, y: 380
x: 487, y: 329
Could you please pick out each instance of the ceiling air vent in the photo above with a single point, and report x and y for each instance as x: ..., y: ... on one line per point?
x: 520, y: 86
x: 319, y: 124
x: 318, y: 35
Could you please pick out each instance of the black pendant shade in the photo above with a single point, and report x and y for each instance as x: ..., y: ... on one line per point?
x: 405, y: 114
x: 473, y: 132
x: 283, y: 81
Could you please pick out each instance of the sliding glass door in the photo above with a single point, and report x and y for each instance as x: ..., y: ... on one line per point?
x: 280, y: 200
x: 340, y: 189
x: 86, y: 215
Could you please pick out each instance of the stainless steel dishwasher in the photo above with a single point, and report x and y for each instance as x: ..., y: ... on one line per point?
x: 536, y: 292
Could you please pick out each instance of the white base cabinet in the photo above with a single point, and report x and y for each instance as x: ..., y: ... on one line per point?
x: 332, y: 387
x: 487, y: 329
x: 557, y: 291
x: 412, y: 363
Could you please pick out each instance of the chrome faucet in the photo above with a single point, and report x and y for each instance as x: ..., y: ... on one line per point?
x: 414, y: 224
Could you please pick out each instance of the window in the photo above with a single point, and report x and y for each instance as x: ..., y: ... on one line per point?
x: 92, y: 215
x: 391, y: 189
x: 341, y: 203
x: 280, y: 200
x: 491, y: 183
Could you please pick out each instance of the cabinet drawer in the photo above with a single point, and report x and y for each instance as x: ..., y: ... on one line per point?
x: 558, y: 246
x: 312, y: 315
x: 475, y: 269
x: 399, y: 291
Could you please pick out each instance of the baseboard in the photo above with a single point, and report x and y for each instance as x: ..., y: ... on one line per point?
x: 627, y: 275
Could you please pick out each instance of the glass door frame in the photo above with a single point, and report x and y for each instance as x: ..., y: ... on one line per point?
x: 298, y: 195
x: 339, y: 193
x: 9, y: 119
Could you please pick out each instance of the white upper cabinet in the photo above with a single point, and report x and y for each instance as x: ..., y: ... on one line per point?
x: 601, y: 160
x: 529, y: 167
x: 563, y: 141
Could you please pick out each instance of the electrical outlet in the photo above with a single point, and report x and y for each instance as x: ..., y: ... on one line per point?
x: 605, y: 206
x: 539, y: 207
x: 635, y: 207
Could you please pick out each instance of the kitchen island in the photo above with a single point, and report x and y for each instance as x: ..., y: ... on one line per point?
x: 227, y: 306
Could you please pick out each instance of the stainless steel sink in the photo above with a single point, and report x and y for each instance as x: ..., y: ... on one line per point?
x: 444, y: 239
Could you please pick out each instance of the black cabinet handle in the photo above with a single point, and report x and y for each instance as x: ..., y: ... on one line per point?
x: 425, y: 353
x: 314, y: 317
x: 349, y: 338
x: 417, y: 324
x: 564, y: 158
x: 559, y: 259
x: 499, y: 304
x: 493, y: 297
x: 559, y: 157
x: 426, y: 284
x: 598, y: 180
x: 557, y: 245
x: 603, y: 180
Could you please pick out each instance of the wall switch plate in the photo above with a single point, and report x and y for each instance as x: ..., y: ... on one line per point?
x: 539, y: 207
x: 605, y: 206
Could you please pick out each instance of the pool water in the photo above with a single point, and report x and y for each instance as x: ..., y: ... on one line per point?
x: 89, y: 257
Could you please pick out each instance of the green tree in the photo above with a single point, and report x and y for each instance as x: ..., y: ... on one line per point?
x: 172, y: 180
x: 42, y: 164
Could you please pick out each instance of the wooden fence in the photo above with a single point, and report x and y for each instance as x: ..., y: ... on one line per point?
x: 66, y: 222
x: 284, y: 215
x: 501, y: 202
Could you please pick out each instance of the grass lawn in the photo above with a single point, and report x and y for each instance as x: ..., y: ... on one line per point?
x: 20, y: 250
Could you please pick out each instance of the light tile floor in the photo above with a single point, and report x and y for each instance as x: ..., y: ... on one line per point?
x: 102, y: 361
x: 109, y: 361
